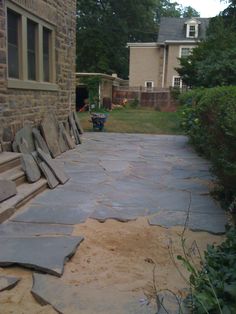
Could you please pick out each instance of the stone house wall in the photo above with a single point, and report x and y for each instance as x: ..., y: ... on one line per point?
x: 19, y: 105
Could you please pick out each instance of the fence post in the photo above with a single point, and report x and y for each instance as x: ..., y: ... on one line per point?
x: 140, y: 95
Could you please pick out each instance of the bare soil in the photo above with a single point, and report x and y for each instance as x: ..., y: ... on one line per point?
x: 113, y: 257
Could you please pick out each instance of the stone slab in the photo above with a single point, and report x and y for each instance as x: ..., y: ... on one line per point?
x: 21, y: 229
x: 197, y: 221
x: 78, y: 124
x: 7, y: 282
x: 169, y: 304
x: 30, y: 168
x: 51, y: 179
x: 24, y: 139
x: 7, y: 135
x: 166, y: 218
x: 7, y: 189
x: 48, y: 290
x: 50, y: 133
x: 122, y: 214
x: 65, y: 196
x: 172, y: 200
x: 39, y: 141
x: 68, y: 299
x: 114, y: 165
x: 45, y: 254
x: 205, y: 204
x: 62, y: 142
x: 66, y: 136
x: 54, y: 214
x: 57, y: 171
x: 74, y: 129
x: 212, y: 223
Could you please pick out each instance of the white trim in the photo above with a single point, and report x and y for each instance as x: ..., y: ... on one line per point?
x: 191, y: 41
x: 181, y: 47
x: 173, y: 81
x: 192, y: 21
x: 141, y: 45
x: 188, y: 30
x: 149, y: 81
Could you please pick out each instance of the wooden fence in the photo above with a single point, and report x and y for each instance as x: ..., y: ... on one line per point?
x: 160, y: 99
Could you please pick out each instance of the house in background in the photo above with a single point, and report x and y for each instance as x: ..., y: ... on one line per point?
x: 37, y: 60
x: 152, y: 65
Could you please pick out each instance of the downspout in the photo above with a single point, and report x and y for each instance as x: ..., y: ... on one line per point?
x: 164, y: 67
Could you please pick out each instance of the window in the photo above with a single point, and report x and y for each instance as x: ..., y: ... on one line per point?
x: 177, y: 82
x: 149, y: 84
x: 185, y: 51
x: 31, y: 50
x: 13, y: 43
x: 46, y: 54
x: 192, y: 31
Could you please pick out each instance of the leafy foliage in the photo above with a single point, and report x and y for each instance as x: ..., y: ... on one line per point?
x: 214, y: 286
x: 105, y: 26
x: 213, y: 62
x: 209, y: 118
x: 92, y: 84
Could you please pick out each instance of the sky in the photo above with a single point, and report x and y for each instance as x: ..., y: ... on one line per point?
x: 206, y: 8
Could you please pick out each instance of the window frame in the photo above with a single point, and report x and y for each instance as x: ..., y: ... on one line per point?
x: 188, y: 30
x: 180, y: 82
x: 182, y: 47
x: 152, y: 83
x: 18, y: 43
x: 23, y: 82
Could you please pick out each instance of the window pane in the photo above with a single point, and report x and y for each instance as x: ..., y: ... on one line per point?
x: 13, y: 43
x: 177, y: 82
x: 46, y: 54
x: 185, y: 52
x: 192, y: 31
x: 31, y: 49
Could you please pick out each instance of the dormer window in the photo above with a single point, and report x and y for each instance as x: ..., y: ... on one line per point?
x: 192, y: 31
x: 192, y: 27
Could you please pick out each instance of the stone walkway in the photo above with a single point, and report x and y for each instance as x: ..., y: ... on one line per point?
x: 120, y: 176
x: 113, y: 176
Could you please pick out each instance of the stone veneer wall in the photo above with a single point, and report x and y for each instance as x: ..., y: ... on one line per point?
x: 17, y: 105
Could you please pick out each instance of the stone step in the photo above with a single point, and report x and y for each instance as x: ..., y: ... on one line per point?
x: 9, y: 160
x: 25, y: 192
x: 16, y: 174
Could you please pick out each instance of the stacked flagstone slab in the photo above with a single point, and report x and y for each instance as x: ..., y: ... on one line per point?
x: 34, y: 149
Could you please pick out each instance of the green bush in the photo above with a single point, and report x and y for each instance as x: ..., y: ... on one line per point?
x: 134, y: 104
x: 208, y: 116
x: 214, y: 286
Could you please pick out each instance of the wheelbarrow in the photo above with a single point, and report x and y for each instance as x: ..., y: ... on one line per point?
x: 98, y: 120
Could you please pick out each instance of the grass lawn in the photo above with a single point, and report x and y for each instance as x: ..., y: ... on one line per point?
x: 142, y: 120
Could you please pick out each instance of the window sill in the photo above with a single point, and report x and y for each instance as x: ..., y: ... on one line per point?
x: 31, y: 85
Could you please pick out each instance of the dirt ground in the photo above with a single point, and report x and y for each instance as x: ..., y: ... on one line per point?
x: 114, y: 257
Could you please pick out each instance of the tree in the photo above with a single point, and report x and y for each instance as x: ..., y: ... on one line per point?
x: 190, y: 12
x: 105, y: 26
x: 103, y: 29
x: 213, y: 62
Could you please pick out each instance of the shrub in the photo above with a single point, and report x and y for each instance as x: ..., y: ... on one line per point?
x: 133, y: 103
x: 214, y: 286
x: 209, y: 118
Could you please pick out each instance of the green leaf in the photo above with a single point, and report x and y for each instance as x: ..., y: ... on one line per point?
x: 231, y: 289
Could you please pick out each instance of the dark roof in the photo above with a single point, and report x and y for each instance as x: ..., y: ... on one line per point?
x: 174, y: 28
